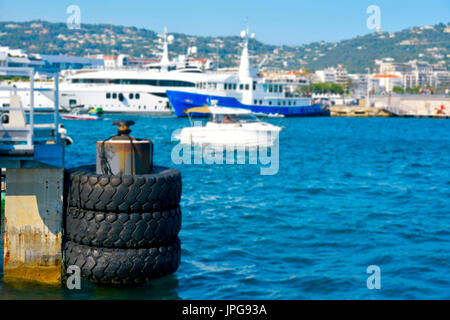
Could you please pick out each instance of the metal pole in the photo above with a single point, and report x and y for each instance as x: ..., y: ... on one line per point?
x: 217, y: 56
x: 368, y: 88
x: 31, y: 134
x: 56, y: 105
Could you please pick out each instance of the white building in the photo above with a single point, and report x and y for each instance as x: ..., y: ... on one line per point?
x: 113, y: 61
x: 16, y: 58
x: 3, y: 58
x: 414, y: 73
x: 441, y: 79
x: 326, y: 75
x: 19, y: 58
x: 67, y: 62
x: 337, y: 75
x: 360, y: 82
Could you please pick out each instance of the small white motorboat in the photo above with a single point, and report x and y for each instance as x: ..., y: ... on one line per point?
x: 79, y: 117
x: 229, y: 128
x: 83, y: 114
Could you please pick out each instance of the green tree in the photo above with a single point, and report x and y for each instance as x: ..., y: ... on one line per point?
x: 336, y: 88
x: 398, y: 90
x: 413, y: 90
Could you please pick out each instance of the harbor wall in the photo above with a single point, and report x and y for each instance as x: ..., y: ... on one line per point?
x: 33, y: 225
x: 359, y: 112
x: 414, y: 105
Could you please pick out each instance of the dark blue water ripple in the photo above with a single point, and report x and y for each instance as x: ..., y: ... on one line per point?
x: 349, y: 193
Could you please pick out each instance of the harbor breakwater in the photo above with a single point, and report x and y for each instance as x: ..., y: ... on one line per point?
x: 414, y: 105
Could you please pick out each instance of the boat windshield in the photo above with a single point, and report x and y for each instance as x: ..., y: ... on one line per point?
x: 77, y: 111
x: 234, y: 118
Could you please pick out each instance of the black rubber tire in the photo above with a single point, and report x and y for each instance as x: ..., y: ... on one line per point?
x: 158, y: 190
x: 123, y: 266
x: 122, y: 230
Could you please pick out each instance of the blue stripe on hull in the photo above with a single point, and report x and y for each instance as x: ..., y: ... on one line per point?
x: 181, y: 101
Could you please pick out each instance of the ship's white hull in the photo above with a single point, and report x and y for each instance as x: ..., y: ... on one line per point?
x: 231, y: 136
x: 95, y: 96
x: 42, y: 99
x: 107, y: 98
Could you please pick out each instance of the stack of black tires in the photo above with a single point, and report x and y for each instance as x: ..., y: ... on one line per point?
x: 122, y: 229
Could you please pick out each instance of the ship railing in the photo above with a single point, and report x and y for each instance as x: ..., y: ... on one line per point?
x: 20, y: 133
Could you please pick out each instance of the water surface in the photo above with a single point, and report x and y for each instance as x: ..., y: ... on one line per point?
x: 349, y: 193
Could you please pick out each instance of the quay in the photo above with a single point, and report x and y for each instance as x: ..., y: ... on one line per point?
x: 397, y: 106
x: 415, y: 106
x: 358, y: 111
x: 33, y: 155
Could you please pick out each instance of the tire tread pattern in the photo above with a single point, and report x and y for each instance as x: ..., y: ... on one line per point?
x: 123, y: 266
x: 158, y: 190
x: 122, y: 230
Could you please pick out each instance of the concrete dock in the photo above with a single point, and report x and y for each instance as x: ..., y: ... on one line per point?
x: 417, y: 106
x: 358, y: 111
x: 33, y: 225
x: 32, y: 152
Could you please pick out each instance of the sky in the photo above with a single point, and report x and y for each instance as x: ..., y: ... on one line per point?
x: 278, y: 22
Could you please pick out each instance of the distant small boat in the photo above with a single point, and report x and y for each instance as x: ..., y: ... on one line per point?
x: 82, y: 114
x: 79, y: 117
x: 269, y: 115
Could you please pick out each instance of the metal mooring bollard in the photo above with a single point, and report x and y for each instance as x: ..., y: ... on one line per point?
x: 124, y: 154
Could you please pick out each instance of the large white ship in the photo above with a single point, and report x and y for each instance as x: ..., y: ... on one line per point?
x: 122, y: 89
x: 138, y: 90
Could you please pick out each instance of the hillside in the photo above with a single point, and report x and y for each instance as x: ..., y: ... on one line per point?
x: 427, y: 43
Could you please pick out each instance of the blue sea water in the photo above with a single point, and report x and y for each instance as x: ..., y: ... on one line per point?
x: 349, y: 193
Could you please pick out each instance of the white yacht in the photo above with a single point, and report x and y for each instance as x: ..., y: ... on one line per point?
x: 244, y: 90
x: 128, y: 90
x: 43, y: 95
x: 139, y: 90
x: 123, y: 90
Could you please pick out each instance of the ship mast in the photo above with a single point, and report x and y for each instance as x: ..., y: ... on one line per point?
x: 245, y: 68
x: 165, y: 62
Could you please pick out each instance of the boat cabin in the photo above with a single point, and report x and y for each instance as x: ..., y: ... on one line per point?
x: 233, y: 118
x: 223, y: 115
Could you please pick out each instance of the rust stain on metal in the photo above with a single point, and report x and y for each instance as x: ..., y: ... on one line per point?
x: 126, y: 157
x: 50, y: 275
x: 36, y: 256
x: 6, y: 257
x: 6, y: 247
x: 20, y: 241
x: 33, y: 230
